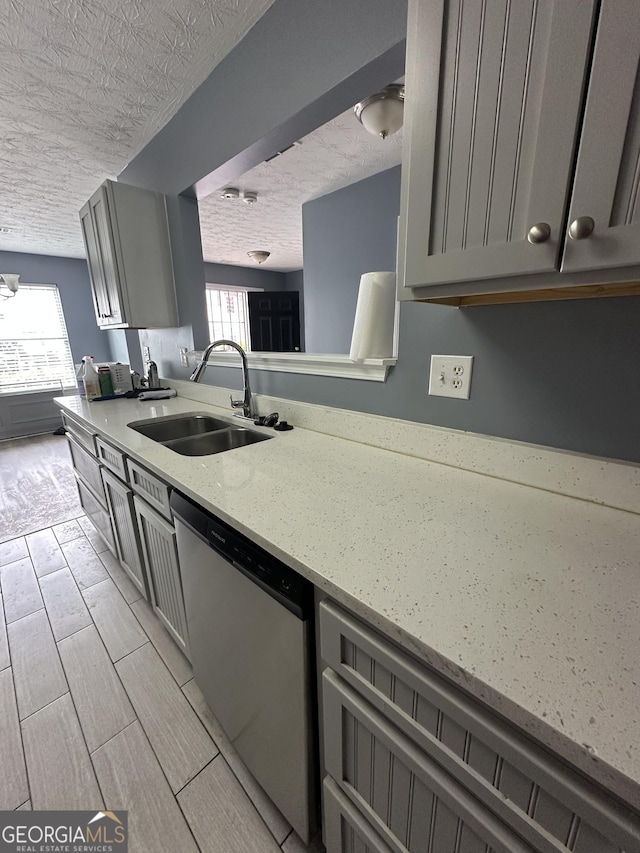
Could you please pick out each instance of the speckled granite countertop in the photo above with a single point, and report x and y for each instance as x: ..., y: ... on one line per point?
x: 526, y: 598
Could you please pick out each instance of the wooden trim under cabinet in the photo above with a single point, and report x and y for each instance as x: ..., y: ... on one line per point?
x: 587, y: 291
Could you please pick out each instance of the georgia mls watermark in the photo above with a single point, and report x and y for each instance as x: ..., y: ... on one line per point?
x: 63, y: 832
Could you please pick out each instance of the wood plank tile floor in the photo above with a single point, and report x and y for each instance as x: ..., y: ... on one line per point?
x: 95, y: 717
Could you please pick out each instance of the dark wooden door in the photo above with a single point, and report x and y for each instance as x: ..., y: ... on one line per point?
x: 274, y: 321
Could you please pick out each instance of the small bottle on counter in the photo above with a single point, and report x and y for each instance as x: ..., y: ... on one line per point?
x: 91, y: 379
x: 106, y: 384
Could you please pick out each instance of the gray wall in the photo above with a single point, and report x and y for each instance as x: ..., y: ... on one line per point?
x: 294, y: 280
x: 72, y: 277
x: 244, y: 276
x: 346, y: 233
x: 299, y: 66
x: 562, y: 374
x: 543, y: 373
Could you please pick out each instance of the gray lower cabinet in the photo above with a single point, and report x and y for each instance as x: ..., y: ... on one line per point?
x: 345, y: 829
x: 160, y: 554
x: 95, y: 511
x: 430, y: 770
x: 512, y: 111
x: 87, y: 470
x: 122, y: 512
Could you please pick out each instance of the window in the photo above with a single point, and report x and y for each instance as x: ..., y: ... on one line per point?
x: 228, y: 313
x: 34, y: 347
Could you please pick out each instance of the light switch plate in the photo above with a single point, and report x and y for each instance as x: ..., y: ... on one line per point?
x: 184, y: 359
x: 450, y: 376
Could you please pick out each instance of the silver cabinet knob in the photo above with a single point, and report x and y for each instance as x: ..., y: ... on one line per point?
x: 539, y: 233
x: 581, y: 228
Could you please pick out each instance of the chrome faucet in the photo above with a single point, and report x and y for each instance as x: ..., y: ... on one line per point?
x: 235, y: 404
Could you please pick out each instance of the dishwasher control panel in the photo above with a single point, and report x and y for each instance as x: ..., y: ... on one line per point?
x: 267, y: 571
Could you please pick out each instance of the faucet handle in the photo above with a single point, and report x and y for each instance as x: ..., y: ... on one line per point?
x: 236, y: 404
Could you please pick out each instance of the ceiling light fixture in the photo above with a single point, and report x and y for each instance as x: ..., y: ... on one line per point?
x: 258, y: 255
x: 382, y: 114
x: 230, y: 193
x: 11, y: 281
x: 249, y: 197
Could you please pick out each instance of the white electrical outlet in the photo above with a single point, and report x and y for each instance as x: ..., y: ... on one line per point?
x: 184, y: 359
x: 450, y: 376
x: 146, y: 354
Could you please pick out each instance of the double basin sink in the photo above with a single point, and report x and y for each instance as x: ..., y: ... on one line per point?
x: 196, y: 433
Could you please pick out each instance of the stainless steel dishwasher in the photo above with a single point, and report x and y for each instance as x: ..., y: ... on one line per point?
x: 250, y: 624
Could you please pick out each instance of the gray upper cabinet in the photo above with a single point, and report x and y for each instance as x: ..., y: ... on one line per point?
x: 522, y: 152
x: 605, y: 207
x: 126, y: 239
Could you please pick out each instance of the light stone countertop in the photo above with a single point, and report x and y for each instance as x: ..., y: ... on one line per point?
x: 527, y: 599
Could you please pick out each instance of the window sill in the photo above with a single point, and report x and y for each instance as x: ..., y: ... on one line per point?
x: 55, y: 392
x: 318, y: 364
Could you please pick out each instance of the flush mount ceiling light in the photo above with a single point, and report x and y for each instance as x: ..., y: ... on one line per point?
x: 230, y: 193
x: 382, y: 113
x: 258, y: 256
x: 11, y: 281
x: 249, y: 198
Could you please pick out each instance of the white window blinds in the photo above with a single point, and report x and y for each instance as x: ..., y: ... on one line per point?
x: 34, y: 347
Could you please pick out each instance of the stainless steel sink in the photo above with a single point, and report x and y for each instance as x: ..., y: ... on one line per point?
x: 196, y: 433
x: 178, y: 426
x: 215, y: 442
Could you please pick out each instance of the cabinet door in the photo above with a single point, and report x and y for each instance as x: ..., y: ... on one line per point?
x: 412, y: 803
x: 100, y: 215
x: 95, y: 512
x: 94, y: 263
x: 607, y: 182
x: 121, y: 510
x: 345, y: 829
x: 493, y: 100
x: 161, y: 559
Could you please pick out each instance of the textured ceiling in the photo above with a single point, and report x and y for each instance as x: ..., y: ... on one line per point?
x: 84, y: 85
x: 334, y: 156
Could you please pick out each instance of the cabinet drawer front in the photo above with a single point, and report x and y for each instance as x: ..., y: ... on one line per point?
x: 160, y: 553
x: 152, y: 489
x: 518, y: 781
x: 408, y: 798
x: 113, y: 458
x: 125, y: 530
x: 82, y: 434
x: 345, y: 830
x: 95, y: 512
x: 88, y: 467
